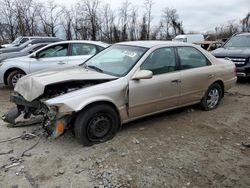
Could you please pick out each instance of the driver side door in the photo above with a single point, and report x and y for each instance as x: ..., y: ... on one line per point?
x: 55, y: 56
x: 161, y: 92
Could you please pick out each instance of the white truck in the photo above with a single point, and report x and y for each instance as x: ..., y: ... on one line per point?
x: 189, y: 38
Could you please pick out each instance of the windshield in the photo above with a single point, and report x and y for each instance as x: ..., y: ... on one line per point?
x: 238, y: 41
x: 17, y: 40
x: 117, y: 60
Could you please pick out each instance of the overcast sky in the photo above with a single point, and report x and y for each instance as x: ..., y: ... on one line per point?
x: 197, y: 15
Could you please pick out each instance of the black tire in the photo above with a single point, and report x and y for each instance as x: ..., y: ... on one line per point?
x: 14, y: 76
x: 215, y: 89
x: 96, y: 124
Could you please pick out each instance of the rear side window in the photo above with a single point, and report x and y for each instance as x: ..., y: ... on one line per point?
x: 83, y: 49
x: 160, y: 61
x: 191, y: 58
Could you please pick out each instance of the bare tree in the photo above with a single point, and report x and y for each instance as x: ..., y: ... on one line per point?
x: 8, y: 19
x: 124, y: 19
x: 143, y: 31
x: 50, y: 18
x: 133, y: 26
x: 90, y: 17
x: 107, y: 22
x: 170, y: 22
x: 246, y: 23
x: 67, y: 23
x: 148, y: 15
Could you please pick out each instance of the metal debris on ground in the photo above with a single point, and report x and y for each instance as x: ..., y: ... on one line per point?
x: 6, y: 152
x: 247, y: 145
x: 30, y: 148
x: 25, y: 136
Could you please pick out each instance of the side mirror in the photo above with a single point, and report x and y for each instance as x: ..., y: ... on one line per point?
x: 31, y: 51
x: 143, y: 74
x: 34, y: 55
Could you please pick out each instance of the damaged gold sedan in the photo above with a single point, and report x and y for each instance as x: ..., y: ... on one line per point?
x: 124, y: 82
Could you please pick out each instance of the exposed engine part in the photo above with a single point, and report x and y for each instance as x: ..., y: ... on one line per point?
x: 58, y: 89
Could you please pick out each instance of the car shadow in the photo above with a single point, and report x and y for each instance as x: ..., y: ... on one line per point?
x: 243, y: 81
x: 159, y: 117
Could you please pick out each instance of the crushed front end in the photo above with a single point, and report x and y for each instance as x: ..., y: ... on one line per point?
x: 54, y: 122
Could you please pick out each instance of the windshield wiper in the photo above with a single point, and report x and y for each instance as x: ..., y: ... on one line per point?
x: 95, y: 68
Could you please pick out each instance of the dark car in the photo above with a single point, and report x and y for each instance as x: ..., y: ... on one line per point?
x: 237, y: 49
x: 29, y: 43
x: 23, y: 52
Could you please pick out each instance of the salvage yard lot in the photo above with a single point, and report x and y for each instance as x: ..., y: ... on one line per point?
x: 182, y: 148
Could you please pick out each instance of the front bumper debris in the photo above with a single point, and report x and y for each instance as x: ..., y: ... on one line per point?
x: 53, y: 122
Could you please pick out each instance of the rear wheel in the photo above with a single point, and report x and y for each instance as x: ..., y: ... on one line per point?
x: 212, y: 97
x: 14, y: 76
x: 96, y: 124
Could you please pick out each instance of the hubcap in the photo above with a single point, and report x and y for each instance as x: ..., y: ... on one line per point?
x: 213, y: 98
x: 99, y: 126
x: 15, y: 78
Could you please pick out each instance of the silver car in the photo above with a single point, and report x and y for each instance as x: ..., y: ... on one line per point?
x: 126, y: 81
x: 56, y: 55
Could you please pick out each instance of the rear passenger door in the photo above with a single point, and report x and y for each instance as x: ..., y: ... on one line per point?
x: 80, y: 52
x: 196, y: 74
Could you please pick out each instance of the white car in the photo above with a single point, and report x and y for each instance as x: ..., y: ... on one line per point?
x: 56, y: 55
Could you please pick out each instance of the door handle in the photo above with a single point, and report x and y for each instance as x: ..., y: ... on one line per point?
x: 176, y: 81
x: 61, y: 63
x: 211, y: 76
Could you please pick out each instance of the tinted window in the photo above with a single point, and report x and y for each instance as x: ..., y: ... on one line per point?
x: 191, y: 58
x: 24, y: 40
x: 54, y: 51
x: 160, y: 61
x: 83, y: 49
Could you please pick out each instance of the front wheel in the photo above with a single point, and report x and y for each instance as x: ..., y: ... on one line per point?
x: 212, y: 97
x: 96, y: 124
x: 13, y: 77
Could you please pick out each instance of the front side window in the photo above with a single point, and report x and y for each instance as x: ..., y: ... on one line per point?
x: 191, y: 58
x: 160, y: 61
x: 83, y: 49
x: 54, y: 51
x: 116, y: 60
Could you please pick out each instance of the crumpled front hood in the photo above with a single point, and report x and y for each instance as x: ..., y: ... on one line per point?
x: 33, y: 85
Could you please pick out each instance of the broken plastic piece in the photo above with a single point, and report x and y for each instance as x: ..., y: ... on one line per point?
x: 11, y: 115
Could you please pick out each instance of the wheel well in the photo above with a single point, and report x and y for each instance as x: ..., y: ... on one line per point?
x: 7, y: 73
x: 107, y: 103
x: 222, y: 86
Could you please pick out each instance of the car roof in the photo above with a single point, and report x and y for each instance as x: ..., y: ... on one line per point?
x: 207, y: 42
x: 98, y: 43
x: 153, y: 43
x: 243, y: 34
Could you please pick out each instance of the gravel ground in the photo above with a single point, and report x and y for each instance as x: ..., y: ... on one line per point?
x: 182, y: 148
